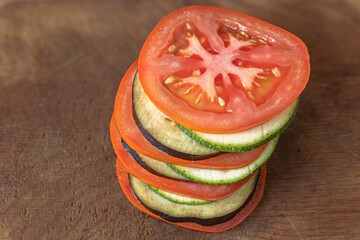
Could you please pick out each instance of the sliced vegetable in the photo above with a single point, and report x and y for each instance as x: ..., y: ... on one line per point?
x: 177, y: 198
x: 221, y: 227
x: 249, y: 139
x: 220, y: 177
x: 215, y: 70
x: 158, y: 166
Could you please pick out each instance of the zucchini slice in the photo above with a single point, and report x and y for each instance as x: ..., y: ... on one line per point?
x: 178, y: 198
x: 220, y: 177
x: 214, y: 209
x: 161, y: 167
x: 203, y: 175
x: 249, y: 139
x: 160, y: 127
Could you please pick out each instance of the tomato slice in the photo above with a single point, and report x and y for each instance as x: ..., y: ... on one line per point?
x: 128, y: 130
x: 215, y: 70
x: 237, y: 219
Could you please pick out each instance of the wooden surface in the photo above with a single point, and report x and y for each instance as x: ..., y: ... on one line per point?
x: 60, y: 66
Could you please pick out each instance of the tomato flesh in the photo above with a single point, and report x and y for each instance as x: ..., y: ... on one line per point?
x: 225, y: 69
x: 219, y: 71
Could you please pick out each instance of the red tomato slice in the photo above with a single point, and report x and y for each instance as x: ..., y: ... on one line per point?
x: 215, y: 70
x: 191, y: 189
x: 128, y: 130
x: 237, y: 219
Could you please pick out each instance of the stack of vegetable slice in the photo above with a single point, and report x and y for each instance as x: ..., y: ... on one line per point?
x: 200, y: 113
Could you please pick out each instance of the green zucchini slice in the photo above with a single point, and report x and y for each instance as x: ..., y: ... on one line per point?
x: 222, y: 177
x: 178, y: 198
x: 161, y: 167
x: 249, y: 139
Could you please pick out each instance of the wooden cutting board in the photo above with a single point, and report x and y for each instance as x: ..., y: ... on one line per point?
x: 60, y: 66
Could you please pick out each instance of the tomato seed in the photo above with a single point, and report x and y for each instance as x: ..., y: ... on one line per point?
x: 188, y: 90
x: 251, y: 95
x: 276, y: 72
x: 198, y: 98
x: 196, y: 72
x: 171, y: 48
x: 188, y: 55
x: 188, y: 26
x: 170, y: 79
x: 244, y: 34
x: 262, y: 77
x: 257, y: 84
x: 262, y: 41
x: 221, y: 101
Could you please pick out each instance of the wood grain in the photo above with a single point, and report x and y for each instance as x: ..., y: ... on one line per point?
x: 60, y: 66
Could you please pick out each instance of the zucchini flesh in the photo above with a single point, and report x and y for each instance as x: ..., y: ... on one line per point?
x: 161, y: 167
x: 221, y: 177
x: 204, y: 211
x: 178, y: 198
x: 249, y: 139
x: 160, y: 127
